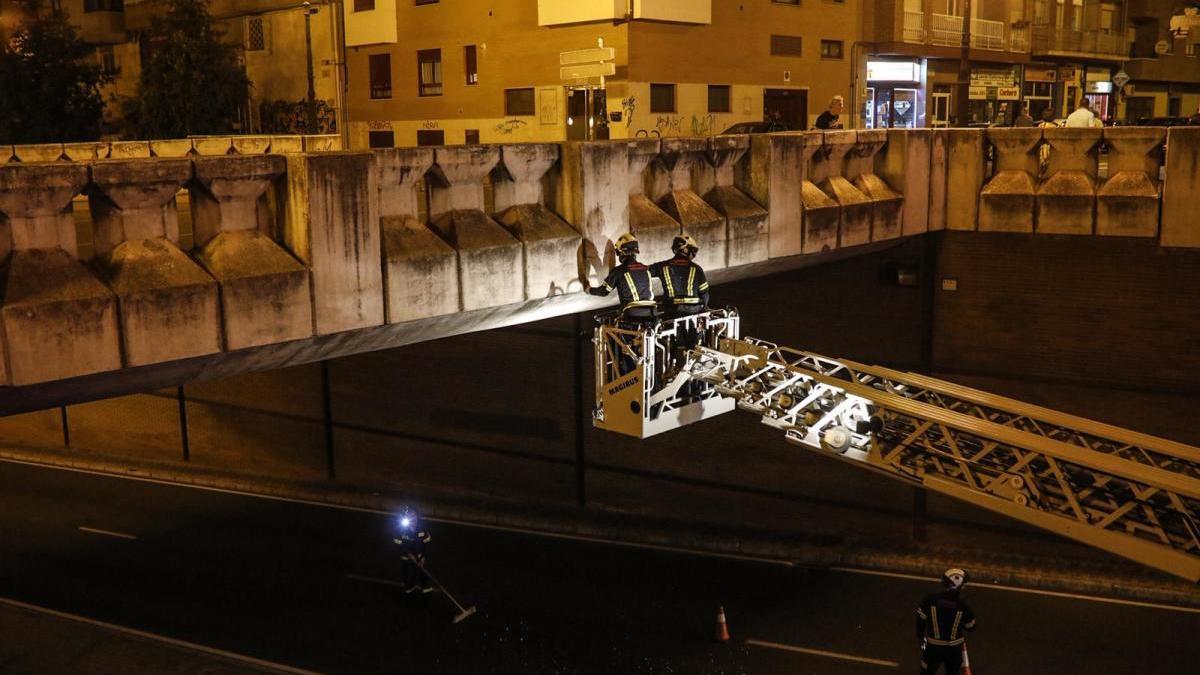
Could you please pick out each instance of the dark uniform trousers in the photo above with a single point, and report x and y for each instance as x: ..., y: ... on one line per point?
x: 936, y: 656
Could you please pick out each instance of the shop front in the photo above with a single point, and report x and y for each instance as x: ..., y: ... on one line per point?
x: 895, y: 96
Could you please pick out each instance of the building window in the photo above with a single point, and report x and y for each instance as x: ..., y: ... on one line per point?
x: 785, y: 45
x: 381, y: 75
x: 787, y: 2
x: 365, y: 6
x: 831, y: 49
x: 103, y: 6
x: 718, y: 98
x: 431, y: 137
x: 662, y: 98
x: 471, y: 136
x: 108, y: 60
x: 256, y: 34
x: 471, y: 58
x: 519, y: 102
x: 381, y: 139
x: 429, y: 72
x: 426, y: 2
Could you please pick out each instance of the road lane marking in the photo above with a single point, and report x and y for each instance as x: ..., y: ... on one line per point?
x: 107, y: 533
x: 821, y: 652
x: 556, y: 535
x: 374, y: 580
x: 213, y: 651
x: 1020, y: 589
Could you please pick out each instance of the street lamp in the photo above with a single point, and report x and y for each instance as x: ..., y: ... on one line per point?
x: 310, y: 107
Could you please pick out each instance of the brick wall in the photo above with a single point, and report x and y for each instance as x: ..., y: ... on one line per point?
x: 1097, y: 311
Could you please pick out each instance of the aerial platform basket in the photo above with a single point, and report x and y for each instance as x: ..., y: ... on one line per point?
x: 644, y: 384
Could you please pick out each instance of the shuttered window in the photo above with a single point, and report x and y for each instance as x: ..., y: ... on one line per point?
x: 785, y: 45
x: 662, y: 98
x: 718, y: 98
x: 519, y: 102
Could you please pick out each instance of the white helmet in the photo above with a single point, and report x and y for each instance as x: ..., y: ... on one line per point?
x: 954, y: 578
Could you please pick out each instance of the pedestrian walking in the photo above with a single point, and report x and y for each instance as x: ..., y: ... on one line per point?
x: 942, y: 620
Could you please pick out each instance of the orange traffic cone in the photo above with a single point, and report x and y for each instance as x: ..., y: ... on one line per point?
x: 721, y: 634
x: 966, y: 666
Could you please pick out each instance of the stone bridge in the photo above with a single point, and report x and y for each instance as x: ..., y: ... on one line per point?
x: 110, y: 286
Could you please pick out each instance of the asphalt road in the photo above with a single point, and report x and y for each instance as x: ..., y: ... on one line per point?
x: 307, y: 586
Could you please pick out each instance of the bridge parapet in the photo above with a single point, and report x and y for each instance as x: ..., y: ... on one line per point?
x: 338, y: 242
x: 167, y: 303
x: 1008, y: 199
x: 746, y: 228
x: 490, y: 259
x: 420, y: 270
x: 676, y: 195
x: 551, y: 246
x: 1066, y: 199
x: 1127, y: 202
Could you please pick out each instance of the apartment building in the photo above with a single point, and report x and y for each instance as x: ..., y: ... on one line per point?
x: 1048, y: 53
x: 1163, y: 67
x: 429, y: 72
x: 274, y: 46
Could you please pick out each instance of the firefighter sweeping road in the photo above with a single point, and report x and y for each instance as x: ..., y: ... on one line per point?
x: 317, y: 588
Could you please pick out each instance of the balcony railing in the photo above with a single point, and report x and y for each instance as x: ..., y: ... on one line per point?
x: 1056, y: 39
x: 987, y: 34
x: 946, y: 30
x: 1018, y: 40
x: 914, y: 27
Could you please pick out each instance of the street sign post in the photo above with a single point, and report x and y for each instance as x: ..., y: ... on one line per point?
x: 1120, y: 79
x: 582, y: 56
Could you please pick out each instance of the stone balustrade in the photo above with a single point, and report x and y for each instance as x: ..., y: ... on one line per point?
x: 287, y: 247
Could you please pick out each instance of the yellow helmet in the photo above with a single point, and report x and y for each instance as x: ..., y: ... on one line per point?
x: 627, y: 243
x: 684, y: 243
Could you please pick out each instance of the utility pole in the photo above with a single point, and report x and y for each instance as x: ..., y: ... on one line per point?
x: 962, y: 105
x: 310, y: 107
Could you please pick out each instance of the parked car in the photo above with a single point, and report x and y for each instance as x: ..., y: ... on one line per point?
x: 758, y: 128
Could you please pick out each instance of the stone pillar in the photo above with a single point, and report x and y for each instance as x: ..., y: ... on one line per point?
x: 1007, y: 200
x: 1127, y: 203
x: 1067, y: 198
x: 592, y: 193
x: 1180, y: 226
x: 332, y: 226
x: 964, y: 177
x: 680, y: 158
x: 939, y: 163
x: 822, y: 214
x: 904, y: 164
x: 420, y: 270
x: 551, y: 246
x: 57, y: 320
x: 653, y: 227
x: 886, y: 203
x: 745, y: 221
x: 265, y: 296
x: 490, y: 260
x: 168, y: 304
x: 772, y: 177
x: 856, y: 206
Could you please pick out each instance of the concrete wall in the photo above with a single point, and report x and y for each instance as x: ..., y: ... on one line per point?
x: 282, y: 248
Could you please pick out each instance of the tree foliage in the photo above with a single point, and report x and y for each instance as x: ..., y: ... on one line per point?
x: 191, y: 81
x: 50, y: 84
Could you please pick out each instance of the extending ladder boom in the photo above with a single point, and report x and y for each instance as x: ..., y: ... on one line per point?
x: 1128, y: 493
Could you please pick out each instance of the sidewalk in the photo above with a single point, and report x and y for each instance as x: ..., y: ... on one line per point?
x: 37, y: 642
x: 991, y: 554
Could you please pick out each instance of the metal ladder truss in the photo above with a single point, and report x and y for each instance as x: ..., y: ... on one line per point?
x: 1128, y: 493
